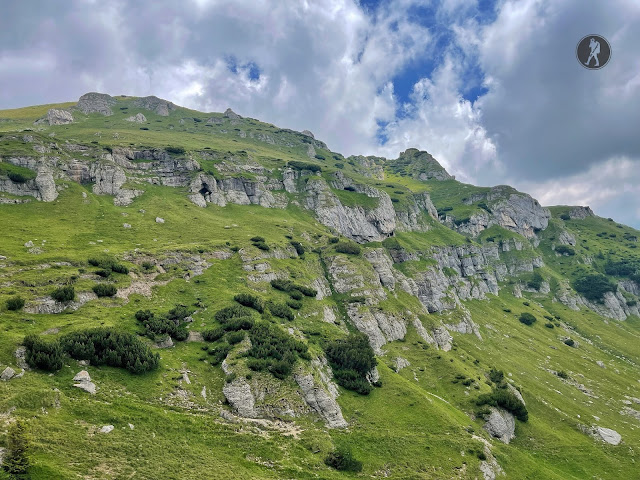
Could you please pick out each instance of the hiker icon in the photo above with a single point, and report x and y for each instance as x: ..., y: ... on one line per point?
x: 593, y: 52
x: 594, y: 45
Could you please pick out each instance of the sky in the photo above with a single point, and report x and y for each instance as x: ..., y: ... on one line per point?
x: 491, y: 88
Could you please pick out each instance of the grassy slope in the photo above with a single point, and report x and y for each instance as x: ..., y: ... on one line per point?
x: 402, y: 429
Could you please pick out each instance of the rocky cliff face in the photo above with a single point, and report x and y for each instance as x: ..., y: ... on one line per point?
x: 96, y: 103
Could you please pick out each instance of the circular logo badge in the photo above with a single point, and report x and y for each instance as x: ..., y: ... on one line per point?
x: 593, y: 52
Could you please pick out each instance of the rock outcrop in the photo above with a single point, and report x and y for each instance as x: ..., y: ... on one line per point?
x: 56, y: 117
x: 83, y: 381
x: 42, y: 187
x: 137, y: 118
x: 155, y: 104
x: 93, y: 102
x: 321, y: 400
x: 501, y: 425
x: 607, y: 435
x: 581, y: 213
x: 238, y: 394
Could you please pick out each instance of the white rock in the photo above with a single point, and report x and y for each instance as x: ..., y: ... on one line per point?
x: 126, y: 225
x: 137, y: 118
x: 82, y: 376
x: 88, y: 387
x: 29, y: 244
x: 7, y: 374
x: 501, y: 425
x: 159, y: 220
x: 131, y: 427
x: 107, y: 429
x: 608, y: 435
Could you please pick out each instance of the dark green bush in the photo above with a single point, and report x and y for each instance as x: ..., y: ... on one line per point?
x: 348, y: 248
x: 565, y: 250
x: 527, y: 318
x: 238, y: 323
x: 569, y: 342
x: 273, y: 349
x: 17, y: 177
x: 213, y: 335
x: 504, y: 398
x: 105, y: 346
x: 280, y: 310
x: 295, y: 304
x: 334, y: 240
x: 156, y: 326
x: 290, y: 287
x: 296, y: 294
x: 15, y: 303
x: 219, y: 353
x: 296, y: 165
x: 562, y: 374
x: 234, y: 311
x: 235, y: 337
x: 257, y: 239
x: 175, y: 150
x: 262, y: 246
x: 342, y: 460
x: 108, y: 265
x: 549, y: 325
x: 64, y: 294
x: 565, y: 217
x: 298, y: 246
x: 251, y: 301
x: 496, y: 376
x: 178, y: 313
x: 351, y: 359
x: 535, y: 281
x: 46, y: 355
x: 306, y: 291
x: 105, y: 290
x: 594, y: 286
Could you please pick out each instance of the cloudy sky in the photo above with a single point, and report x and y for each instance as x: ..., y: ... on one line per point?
x: 491, y: 88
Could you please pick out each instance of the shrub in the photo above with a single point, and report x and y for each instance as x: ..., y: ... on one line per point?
x: 594, y: 286
x: 504, y: 398
x: 535, y: 281
x: 296, y: 294
x: 219, y: 353
x: 342, y: 460
x: 562, y: 374
x: 46, y: 355
x: 569, y: 342
x: 17, y: 177
x: 178, y: 313
x: 496, y: 376
x: 171, y: 325
x: 105, y: 290
x: 334, y: 240
x: 549, y: 325
x: 175, y: 150
x: 262, y: 246
x: 565, y: 250
x: 15, y: 303
x: 527, y: 318
x: 306, y: 291
x: 482, y: 456
x: 235, y: 337
x: 64, y: 294
x: 298, y: 246
x: 348, y: 248
x: 565, y: 217
x: 238, y: 323
x: 282, y: 285
x: 280, y: 310
x: 250, y: 301
x: 273, y: 349
x: 296, y: 165
x: 108, y: 265
x: 16, y: 458
x: 228, y: 313
x: 213, y: 334
x: 257, y: 239
x: 105, y: 346
x: 295, y: 304
x: 351, y: 359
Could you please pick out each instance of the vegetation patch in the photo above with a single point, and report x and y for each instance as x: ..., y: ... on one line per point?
x: 527, y: 318
x: 274, y: 350
x: 15, y: 303
x: 351, y: 359
x: 64, y: 294
x: 504, y: 398
x: 593, y: 287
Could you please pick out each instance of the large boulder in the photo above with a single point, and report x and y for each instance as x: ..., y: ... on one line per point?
x: 137, y: 118
x: 321, y: 401
x: 155, y: 104
x: 501, y: 425
x: 608, y: 435
x: 7, y: 374
x: 238, y: 394
x: 93, y: 102
x: 57, y: 117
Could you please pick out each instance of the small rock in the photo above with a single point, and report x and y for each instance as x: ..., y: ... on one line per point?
x: 7, y: 374
x: 131, y: 427
x: 2, y: 257
x: 84, y: 194
x: 142, y: 210
x: 82, y: 376
x: 137, y: 118
x: 204, y: 392
x: 88, y: 387
x: 401, y: 363
x: 159, y: 220
x: 29, y: 244
x: 126, y: 225
x: 166, y: 343
x: 601, y: 364
x: 84, y: 363
x: 21, y: 354
x: 185, y: 379
x: 107, y: 429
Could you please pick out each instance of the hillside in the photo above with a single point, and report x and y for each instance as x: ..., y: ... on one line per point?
x: 246, y: 302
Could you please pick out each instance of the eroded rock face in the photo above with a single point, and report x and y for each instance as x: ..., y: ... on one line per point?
x: 581, y: 213
x: 96, y: 103
x: 238, y: 394
x: 58, y: 117
x: 608, y: 435
x: 137, y: 118
x: 501, y: 425
x: 42, y: 188
x: 321, y: 401
x: 155, y: 104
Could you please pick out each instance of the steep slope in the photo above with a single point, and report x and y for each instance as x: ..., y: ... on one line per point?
x: 180, y: 211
